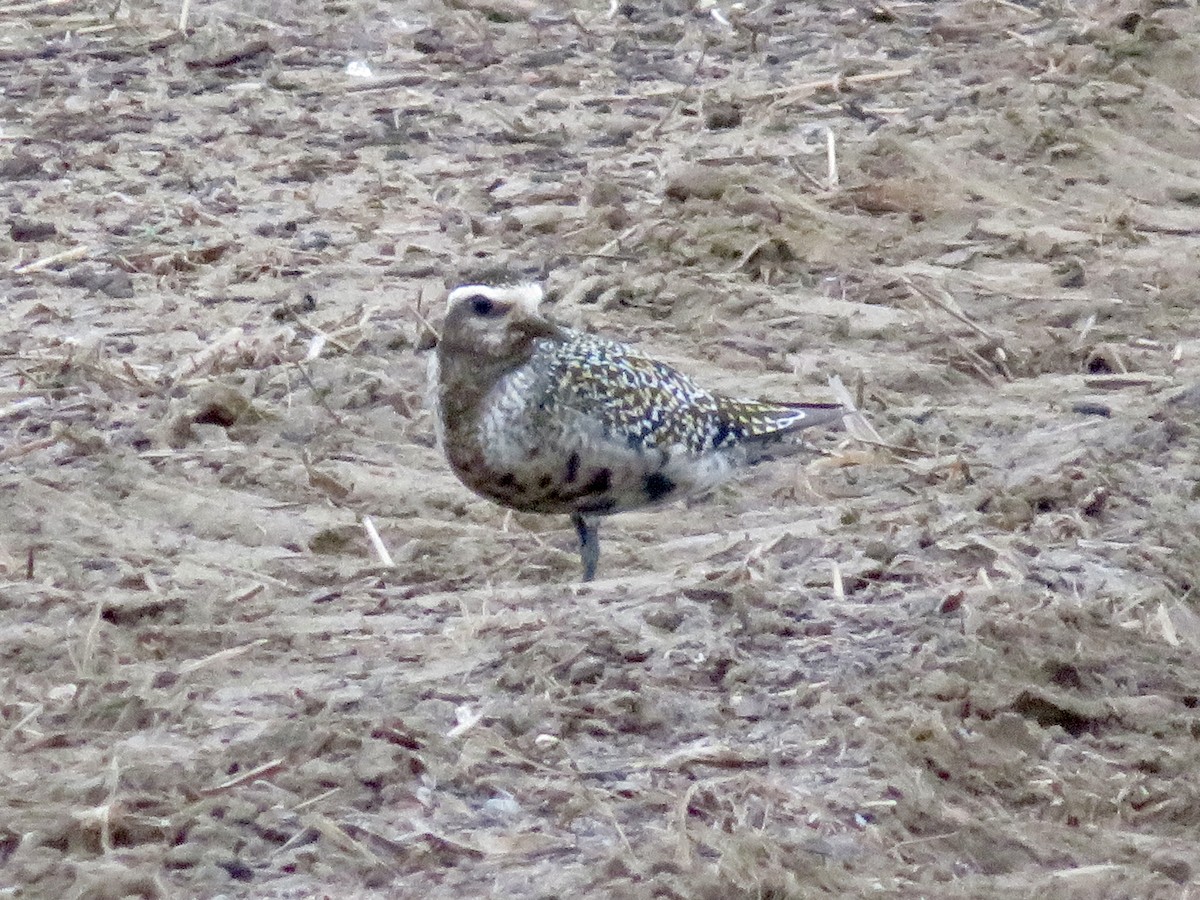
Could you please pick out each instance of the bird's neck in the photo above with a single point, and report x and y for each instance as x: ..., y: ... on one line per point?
x: 464, y: 382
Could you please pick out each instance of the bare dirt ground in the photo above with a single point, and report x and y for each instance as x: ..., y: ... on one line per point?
x: 962, y: 662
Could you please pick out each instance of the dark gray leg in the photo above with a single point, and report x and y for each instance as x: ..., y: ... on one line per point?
x: 589, y: 543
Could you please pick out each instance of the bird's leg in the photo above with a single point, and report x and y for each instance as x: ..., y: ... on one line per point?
x: 589, y: 543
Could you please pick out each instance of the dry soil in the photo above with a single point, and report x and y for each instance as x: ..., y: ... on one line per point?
x: 957, y: 657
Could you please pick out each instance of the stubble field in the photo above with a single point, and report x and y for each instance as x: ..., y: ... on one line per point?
x: 959, y: 658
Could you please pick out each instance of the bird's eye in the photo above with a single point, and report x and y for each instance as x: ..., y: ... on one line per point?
x: 482, y: 306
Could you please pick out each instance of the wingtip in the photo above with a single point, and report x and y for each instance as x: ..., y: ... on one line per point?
x: 821, y: 413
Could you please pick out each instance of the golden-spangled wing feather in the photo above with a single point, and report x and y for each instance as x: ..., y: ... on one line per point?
x: 648, y: 404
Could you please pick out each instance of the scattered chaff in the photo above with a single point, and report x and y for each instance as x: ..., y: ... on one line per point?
x: 55, y: 259
x: 313, y: 801
x: 34, y: 711
x: 1128, y: 379
x: 241, y: 596
x: 385, y: 83
x: 318, y: 394
x: 860, y: 429
x: 40, y: 8
x: 836, y: 83
x: 440, y: 843
x: 340, y: 837
x: 1088, y: 871
x: 322, y: 336
x: 204, y: 360
x: 1165, y: 626
x: 265, y: 770
x: 381, y: 550
x: 704, y: 753
x: 221, y: 656
x: 23, y: 406
x: 940, y: 298
x: 466, y: 718
x: 85, y: 661
x: 16, y: 452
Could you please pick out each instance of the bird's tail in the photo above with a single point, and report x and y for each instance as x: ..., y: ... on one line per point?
x: 768, y: 429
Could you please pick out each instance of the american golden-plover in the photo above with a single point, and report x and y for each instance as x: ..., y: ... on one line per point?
x: 541, y: 418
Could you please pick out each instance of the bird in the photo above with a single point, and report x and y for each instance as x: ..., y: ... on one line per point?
x: 542, y: 418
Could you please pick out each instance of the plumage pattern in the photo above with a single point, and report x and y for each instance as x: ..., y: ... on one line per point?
x: 544, y: 419
x: 649, y: 405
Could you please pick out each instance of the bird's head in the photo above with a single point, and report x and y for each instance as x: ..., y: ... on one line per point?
x: 494, y: 321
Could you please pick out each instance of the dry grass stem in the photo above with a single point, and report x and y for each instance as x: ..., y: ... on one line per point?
x: 220, y: 657
x: 265, y: 770
x: 63, y: 257
x: 381, y: 550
